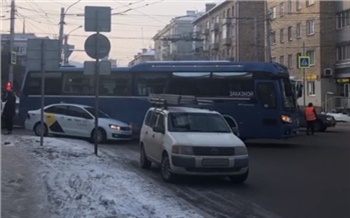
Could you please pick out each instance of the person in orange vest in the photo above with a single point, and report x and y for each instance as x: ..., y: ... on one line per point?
x: 310, y: 117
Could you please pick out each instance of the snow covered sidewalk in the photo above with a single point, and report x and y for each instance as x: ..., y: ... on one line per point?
x: 79, y: 184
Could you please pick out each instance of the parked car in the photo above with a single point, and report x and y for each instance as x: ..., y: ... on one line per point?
x: 77, y: 120
x: 322, y: 123
x: 192, y: 141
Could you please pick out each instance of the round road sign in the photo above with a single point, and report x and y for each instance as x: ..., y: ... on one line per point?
x: 104, y: 46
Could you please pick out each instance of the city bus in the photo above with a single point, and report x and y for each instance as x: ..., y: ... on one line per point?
x: 257, y: 98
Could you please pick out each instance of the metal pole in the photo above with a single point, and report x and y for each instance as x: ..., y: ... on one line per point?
x: 42, y: 92
x: 256, y: 38
x: 304, y: 75
x: 268, y: 34
x: 65, y: 50
x: 97, y: 69
x: 60, y: 36
x: 12, y: 38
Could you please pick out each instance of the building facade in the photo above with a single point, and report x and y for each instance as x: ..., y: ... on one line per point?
x: 306, y: 28
x: 342, y: 67
x: 144, y: 56
x: 174, y: 41
x: 232, y: 30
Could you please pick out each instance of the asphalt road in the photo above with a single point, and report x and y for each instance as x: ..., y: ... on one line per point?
x: 305, y: 177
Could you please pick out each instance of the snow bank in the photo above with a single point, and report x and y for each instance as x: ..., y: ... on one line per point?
x: 79, y: 184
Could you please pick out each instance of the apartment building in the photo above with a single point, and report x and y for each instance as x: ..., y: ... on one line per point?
x: 342, y: 67
x: 144, y: 56
x: 174, y: 41
x: 231, y: 30
x: 306, y: 28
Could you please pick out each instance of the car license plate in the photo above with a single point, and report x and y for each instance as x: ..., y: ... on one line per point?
x: 212, y: 162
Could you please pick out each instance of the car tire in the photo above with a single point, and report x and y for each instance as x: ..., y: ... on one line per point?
x: 144, y: 162
x: 318, y: 126
x: 165, y: 169
x: 101, y: 136
x: 238, y: 179
x: 37, y: 129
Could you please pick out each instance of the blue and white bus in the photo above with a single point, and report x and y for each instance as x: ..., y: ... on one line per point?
x: 258, y: 98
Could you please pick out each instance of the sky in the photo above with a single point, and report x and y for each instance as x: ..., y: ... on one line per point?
x: 130, y: 32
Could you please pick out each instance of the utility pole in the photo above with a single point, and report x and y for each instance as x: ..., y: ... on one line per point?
x: 256, y: 38
x: 60, y: 36
x: 12, y: 38
x: 304, y: 75
x: 268, y: 33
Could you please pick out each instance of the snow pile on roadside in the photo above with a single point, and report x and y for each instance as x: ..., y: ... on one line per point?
x: 79, y: 184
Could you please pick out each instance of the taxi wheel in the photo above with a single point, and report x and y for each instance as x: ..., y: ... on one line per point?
x: 37, y: 129
x: 239, y: 178
x: 165, y: 168
x: 101, y: 136
x: 144, y: 162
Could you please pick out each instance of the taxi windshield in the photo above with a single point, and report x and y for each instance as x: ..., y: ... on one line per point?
x: 101, y: 114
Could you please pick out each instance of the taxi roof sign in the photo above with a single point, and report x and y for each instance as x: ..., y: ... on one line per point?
x: 303, y: 62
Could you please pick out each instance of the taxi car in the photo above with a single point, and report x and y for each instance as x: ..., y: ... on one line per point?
x: 77, y: 120
x: 191, y: 141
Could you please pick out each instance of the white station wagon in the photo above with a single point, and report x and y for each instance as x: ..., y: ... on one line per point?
x: 191, y: 141
x: 77, y: 120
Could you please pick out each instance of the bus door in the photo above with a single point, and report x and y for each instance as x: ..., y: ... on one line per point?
x: 268, y: 115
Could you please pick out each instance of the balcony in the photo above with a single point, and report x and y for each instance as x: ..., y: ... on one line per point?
x: 214, y: 46
x: 227, y: 41
x: 214, y: 27
x: 226, y: 21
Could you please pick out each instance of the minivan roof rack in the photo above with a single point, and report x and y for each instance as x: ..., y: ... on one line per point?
x: 166, y: 100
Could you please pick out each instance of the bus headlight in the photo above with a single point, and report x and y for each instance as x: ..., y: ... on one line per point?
x: 286, y: 119
x: 185, y: 150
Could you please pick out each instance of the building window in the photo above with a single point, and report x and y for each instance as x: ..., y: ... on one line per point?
x: 298, y: 30
x: 290, y: 33
x: 310, y: 27
x: 282, y: 35
x: 282, y: 59
x: 343, y: 52
x: 224, y: 32
x: 282, y: 9
x: 290, y: 6
x: 273, y: 37
x: 310, y: 2
x: 212, y: 38
x: 343, y: 19
x: 298, y: 4
x: 273, y: 13
x: 228, y: 13
x: 273, y: 59
x: 311, y: 89
x: 290, y: 61
x: 311, y: 54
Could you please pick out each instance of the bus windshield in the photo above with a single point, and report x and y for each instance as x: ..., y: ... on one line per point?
x: 288, y: 95
x: 197, y: 122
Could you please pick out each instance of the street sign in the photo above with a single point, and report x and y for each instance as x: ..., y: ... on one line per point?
x: 90, y: 68
x: 91, y: 49
x: 50, y: 57
x: 303, y: 62
x: 97, y: 19
x: 13, y: 57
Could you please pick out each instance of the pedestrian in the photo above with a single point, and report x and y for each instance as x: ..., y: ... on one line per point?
x: 9, y: 110
x: 310, y: 117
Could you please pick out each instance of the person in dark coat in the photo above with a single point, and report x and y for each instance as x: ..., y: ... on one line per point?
x: 9, y: 110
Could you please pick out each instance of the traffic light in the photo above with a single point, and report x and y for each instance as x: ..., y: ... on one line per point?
x: 9, y: 86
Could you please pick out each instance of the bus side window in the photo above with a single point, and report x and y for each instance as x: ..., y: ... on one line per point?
x: 191, y: 83
x: 76, y: 83
x: 117, y: 84
x: 147, y: 83
x: 53, y: 83
x: 267, y: 95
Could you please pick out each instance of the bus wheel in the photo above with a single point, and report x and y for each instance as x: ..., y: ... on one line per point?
x: 37, y: 129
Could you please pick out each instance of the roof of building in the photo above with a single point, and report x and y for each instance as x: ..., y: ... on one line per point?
x: 214, y: 9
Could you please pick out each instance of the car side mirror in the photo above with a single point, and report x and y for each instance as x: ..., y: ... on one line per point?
x: 158, y: 129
